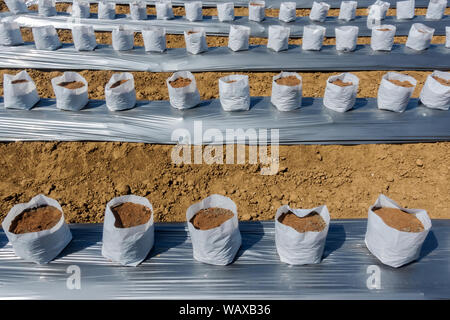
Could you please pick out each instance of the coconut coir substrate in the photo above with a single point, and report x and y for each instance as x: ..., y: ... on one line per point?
x: 399, y: 219
x: 180, y: 82
x: 129, y: 214
x: 288, y: 81
x: 405, y: 84
x: 442, y: 81
x: 341, y: 83
x: 311, y: 222
x: 35, y: 220
x: 118, y: 83
x: 71, y: 84
x: 19, y: 81
x: 210, y: 218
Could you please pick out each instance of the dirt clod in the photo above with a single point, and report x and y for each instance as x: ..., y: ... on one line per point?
x: 71, y: 84
x: 129, y: 214
x: 405, y: 84
x: 311, y: 222
x: 210, y: 218
x: 118, y: 83
x: 399, y: 219
x: 341, y: 83
x: 35, y: 220
x: 180, y: 82
x: 288, y: 81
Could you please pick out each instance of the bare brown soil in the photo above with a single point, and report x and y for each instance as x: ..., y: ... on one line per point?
x: 210, y: 218
x: 180, y: 82
x: 399, y: 219
x: 384, y: 29
x: 311, y: 222
x: 71, y: 84
x: 230, y: 81
x: 129, y: 214
x: 19, y: 81
x: 405, y: 84
x: 35, y: 220
x: 442, y: 81
x: 288, y: 81
x: 341, y: 83
x: 191, y: 32
x: 118, y: 83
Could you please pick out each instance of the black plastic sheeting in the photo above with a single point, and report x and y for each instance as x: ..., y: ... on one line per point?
x: 214, y: 27
x: 269, y: 3
x: 155, y: 121
x: 257, y: 58
x: 170, y: 272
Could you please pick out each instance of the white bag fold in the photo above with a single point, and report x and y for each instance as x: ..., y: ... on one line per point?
x: 127, y: 246
x: 138, y: 10
x: 383, y: 39
x: 122, y: 97
x: 83, y: 38
x: 164, y: 10
x: 278, y: 38
x: 286, y: 98
x: 238, y: 38
x: 319, y: 11
x: 234, y: 96
x: 81, y: 9
x: 313, y: 36
x: 195, y: 40
x: 347, y: 11
x: 297, y: 248
x: 346, y: 38
x: 225, y: 11
x: 434, y: 94
x: 19, y: 95
x: 405, y: 9
x: 436, y: 9
x: 154, y: 39
x: 447, y: 37
x: 38, y: 247
x: 10, y: 34
x: 256, y: 10
x: 46, y: 8
x: 419, y: 37
x: 217, y: 246
x: 185, y: 97
x: 393, y: 97
x: 341, y: 99
x: 393, y: 247
x: 122, y: 39
x: 46, y: 38
x: 70, y: 99
x: 287, y: 12
x: 194, y: 10
x: 106, y: 10
x: 16, y: 6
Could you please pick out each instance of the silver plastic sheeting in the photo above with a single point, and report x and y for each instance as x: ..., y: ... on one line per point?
x: 156, y: 121
x: 257, y: 58
x: 214, y: 27
x: 269, y: 3
x: 170, y: 272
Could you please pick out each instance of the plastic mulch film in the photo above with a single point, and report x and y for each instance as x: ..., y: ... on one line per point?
x: 244, y: 3
x: 158, y: 122
x: 213, y: 26
x: 170, y: 271
x: 257, y: 58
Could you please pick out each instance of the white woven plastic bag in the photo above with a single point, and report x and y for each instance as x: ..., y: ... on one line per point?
x: 383, y: 37
x: 347, y: 12
x: 278, y: 38
x: 434, y: 94
x: 217, y: 246
x: 123, y: 96
x: 419, y: 37
x: 106, y: 10
x: 46, y: 38
x: 346, y: 38
x: 70, y: 99
x: 391, y: 246
x: 319, y: 11
x: 16, y: 6
x: 38, y: 247
x: 393, y: 97
x: 154, y: 39
x: 436, y: 9
x: 447, y: 37
x: 138, y: 10
x: 297, y: 248
x: 185, y: 97
x: 164, y: 10
x: 84, y: 38
x: 234, y: 93
x: 256, y: 10
x: 284, y: 97
x: 81, y: 9
x: 122, y: 39
x: 238, y: 38
x: 46, y: 8
x: 341, y: 98
x: 287, y: 12
x: 127, y: 246
x: 225, y: 11
x: 19, y: 91
x: 313, y: 36
x: 195, y: 40
x: 10, y: 34
x: 378, y: 10
x: 194, y: 10
x: 405, y: 9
